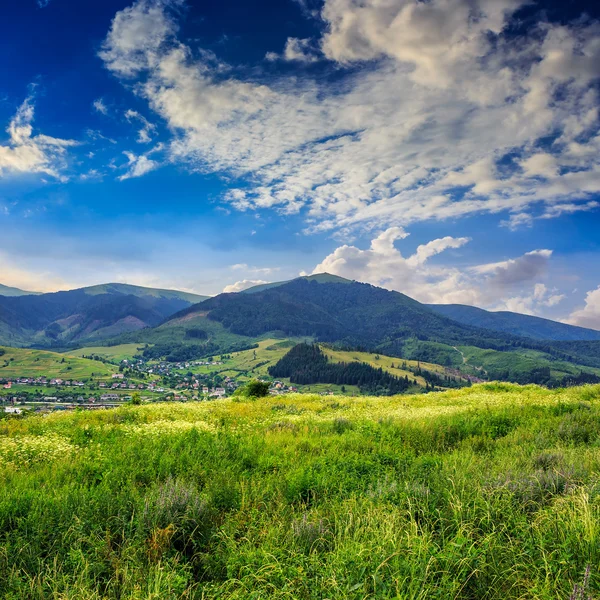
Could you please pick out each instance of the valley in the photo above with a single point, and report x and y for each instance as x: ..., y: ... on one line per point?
x: 212, y: 347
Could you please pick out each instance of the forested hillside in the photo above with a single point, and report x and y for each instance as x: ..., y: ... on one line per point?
x: 87, y: 314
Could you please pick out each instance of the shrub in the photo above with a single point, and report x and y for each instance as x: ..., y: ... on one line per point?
x: 256, y: 389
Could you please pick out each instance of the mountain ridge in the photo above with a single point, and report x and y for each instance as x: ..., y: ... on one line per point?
x: 12, y: 292
x: 516, y: 323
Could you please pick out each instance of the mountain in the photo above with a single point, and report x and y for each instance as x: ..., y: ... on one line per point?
x: 86, y: 314
x: 515, y: 323
x: 5, y: 290
x: 336, y: 310
x: 319, y: 278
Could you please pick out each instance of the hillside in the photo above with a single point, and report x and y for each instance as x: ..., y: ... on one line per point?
x: 486, y: 492
x: 515, y: 323
x: 86, y: 314
x: 18, y: 362
x: 6, y: 290
x: 351, y: 312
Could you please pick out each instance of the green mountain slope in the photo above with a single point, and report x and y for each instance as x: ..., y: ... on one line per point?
x: 319, y: 278
x: 515, y: 323
x: 6, y: 290
x: 136, y: 290
x: 86, y: 315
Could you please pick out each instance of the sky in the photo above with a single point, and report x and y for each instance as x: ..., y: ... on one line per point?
x: 446, y: 149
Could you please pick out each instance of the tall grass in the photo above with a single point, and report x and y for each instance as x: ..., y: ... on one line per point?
x: 487, y: 492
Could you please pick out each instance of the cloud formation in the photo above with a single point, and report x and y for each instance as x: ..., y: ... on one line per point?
x: 147, y: 129
x: 138, y: 165
x: 509, y: 285
x: 589, y: 315
x: 28, y: 153
x: 520, y: 113
x: 240, y: 286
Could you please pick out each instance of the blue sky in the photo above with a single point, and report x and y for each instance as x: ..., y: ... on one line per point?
x: 447, y: 149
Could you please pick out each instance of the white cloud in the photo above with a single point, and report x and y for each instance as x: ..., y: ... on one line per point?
x: 533, y: 302
x: 147, y: 130
x: 100, y: 106
x: 437, y: 99
x: 528, y: 267
x: 138, y: 165
x: 300, y: 50
x: 541, y: 164
x: 384, y: 265
x: 589, y: 315
x: 28, y: 153
x: 509, y: 285
x: 240, y: 286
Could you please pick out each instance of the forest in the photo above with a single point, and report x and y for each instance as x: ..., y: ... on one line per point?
x: 305, y: 364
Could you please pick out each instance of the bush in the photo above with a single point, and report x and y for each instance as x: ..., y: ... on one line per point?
x: 256, y: 389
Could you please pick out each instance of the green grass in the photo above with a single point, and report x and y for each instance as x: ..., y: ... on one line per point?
x: 114, y: 353
x: 487, y: 492
x: 384, y: 362
x: 519, y: 362
x: 18, y: 362
x: 247, y: 364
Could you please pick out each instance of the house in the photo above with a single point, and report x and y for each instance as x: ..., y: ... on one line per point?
x: 117, y: 376
x: 12, y: 410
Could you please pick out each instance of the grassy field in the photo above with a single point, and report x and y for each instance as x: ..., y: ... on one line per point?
x: 251, y: 363
x: 384, y: 362
x: 487, y: 492
x: 18, y: 362
x: 256, y: 362
x: 516, y: 362
x: 113, y: 353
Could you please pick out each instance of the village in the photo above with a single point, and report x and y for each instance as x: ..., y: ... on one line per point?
x: 151, y: 381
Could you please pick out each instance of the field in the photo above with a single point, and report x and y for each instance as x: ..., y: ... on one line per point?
x: 112, y: 353
x: 18, y: 362
x: 384, y: 362
x: 486, y: 492
x: 519, y: 362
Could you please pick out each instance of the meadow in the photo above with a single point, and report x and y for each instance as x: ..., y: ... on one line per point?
x: 20, y: 362
x: 491, y: 492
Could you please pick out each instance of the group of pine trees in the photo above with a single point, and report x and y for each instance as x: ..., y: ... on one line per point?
x: 306, y: 364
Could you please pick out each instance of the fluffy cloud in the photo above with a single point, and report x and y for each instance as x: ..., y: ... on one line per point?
x: 533, y: 302
x: 373, y: 148
x: 240, y: 286
x: 29, y: 153
x: 589, y: 315
x: 138, y: 165
x: 301, y: 50
x: 384, y: 265
x: 491, y: 285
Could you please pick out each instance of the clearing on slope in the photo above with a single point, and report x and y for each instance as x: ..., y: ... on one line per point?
x: 18, y: 362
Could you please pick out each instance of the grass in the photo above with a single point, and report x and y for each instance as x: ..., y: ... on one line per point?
x: 384, y: 362
x: 486, y: 492
x: 19, y: 362
x: 519, y: 362
x: 251, y: 363
x: 114, y: 353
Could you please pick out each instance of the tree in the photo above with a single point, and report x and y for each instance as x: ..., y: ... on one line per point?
x: 256, y: 388
x: 136, y: 398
